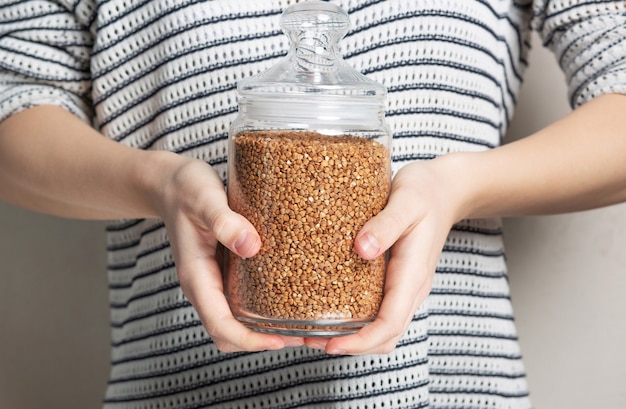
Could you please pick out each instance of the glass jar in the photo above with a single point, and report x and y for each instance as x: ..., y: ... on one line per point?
x: 309, y: 164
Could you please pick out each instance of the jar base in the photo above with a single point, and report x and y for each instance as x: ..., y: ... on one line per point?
x: 302, y: 328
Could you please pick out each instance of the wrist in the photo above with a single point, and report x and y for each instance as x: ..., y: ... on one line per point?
x: 467, y: 186
x: 151, y: 176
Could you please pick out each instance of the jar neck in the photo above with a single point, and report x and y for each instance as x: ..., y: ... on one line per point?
x: 314, y: 112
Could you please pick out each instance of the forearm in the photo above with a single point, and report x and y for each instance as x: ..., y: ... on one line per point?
x: 52, y: 162
x: 575, y: 164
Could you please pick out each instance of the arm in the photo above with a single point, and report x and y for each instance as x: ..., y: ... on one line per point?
x: 52, y: 162
x: 575, y: 164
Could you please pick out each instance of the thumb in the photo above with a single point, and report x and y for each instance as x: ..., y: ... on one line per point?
x: 397, y: 219
x: 234, y: 231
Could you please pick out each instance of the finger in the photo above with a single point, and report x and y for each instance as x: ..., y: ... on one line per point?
x: 408, y: 283
x: 202, y: 285
x: 232, y: 230
x: 316, y: 343
x: 210, y: 210
x: 227, y: 332
x: 397, y: 219
x: 382, y: 335
x: 201, y: 281
x: 396, y: 310
x: 197, y: 192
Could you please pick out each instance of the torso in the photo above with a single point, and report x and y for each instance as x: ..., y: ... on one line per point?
x: 164, y: 77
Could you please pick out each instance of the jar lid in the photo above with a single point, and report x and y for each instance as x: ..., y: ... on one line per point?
x: 313, y: 67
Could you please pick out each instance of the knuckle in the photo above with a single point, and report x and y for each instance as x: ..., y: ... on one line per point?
x: 218, y: 223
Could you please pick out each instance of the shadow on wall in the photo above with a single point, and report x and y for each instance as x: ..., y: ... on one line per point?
x: 568, y: 277
x: 54, y: 318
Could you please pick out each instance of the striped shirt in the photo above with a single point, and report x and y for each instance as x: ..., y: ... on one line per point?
x: 162, y: 75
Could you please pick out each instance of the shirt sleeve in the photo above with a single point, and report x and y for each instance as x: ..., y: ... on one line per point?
x: 588, y: 38
x: 45, y: 51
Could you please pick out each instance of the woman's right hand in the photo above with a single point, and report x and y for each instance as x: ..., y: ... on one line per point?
x: 52, y: 162
x: 194, y: 207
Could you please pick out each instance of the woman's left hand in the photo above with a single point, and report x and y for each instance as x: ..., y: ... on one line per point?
x: 414, y: 226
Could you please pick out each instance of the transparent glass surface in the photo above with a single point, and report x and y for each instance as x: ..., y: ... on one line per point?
x: 309, y: 164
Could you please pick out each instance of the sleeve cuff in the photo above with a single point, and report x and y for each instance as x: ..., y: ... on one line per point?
x: 16, y: 98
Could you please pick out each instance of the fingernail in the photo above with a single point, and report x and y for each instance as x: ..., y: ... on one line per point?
x: 245, y: 244
x: 317, y: 345
x: 294, y: 343
x: 369, y: 245
x: 336, y: 351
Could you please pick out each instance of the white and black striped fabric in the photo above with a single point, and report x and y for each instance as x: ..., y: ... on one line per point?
x: 162, y: 74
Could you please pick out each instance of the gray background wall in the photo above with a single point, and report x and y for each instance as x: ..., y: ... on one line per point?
x: 568, y: 275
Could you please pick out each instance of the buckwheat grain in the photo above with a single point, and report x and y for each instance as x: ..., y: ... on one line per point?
x: 308, y: 195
